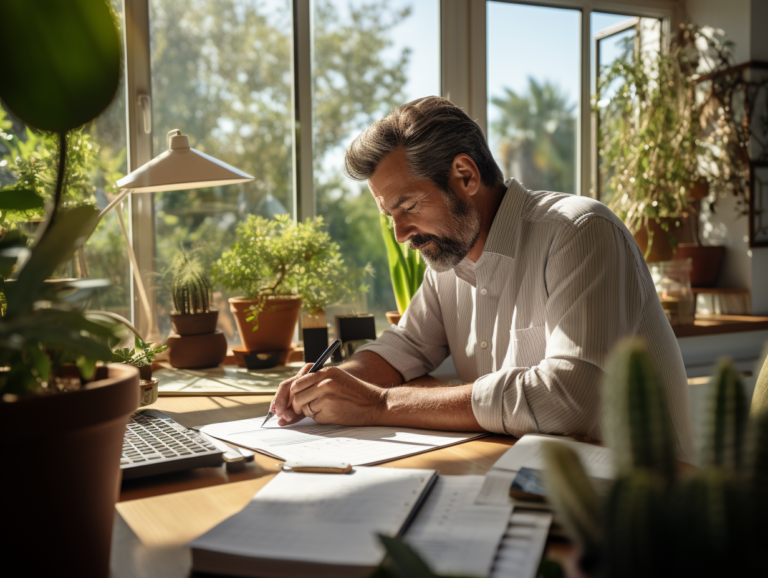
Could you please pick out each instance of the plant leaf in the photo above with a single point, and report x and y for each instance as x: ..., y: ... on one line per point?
x: 406, y: 562
x: 20, y: 200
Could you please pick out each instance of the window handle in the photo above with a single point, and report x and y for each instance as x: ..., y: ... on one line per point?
x: 145, y: 104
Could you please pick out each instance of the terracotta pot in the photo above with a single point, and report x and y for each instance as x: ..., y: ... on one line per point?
x: 197, y: 351
x: 705, y: 262
x: 195, y: 323
x: 661, y: 250
x: 276, y: 322
x: 145, y: 372
x: 393, y: 317
x: 61, y: 455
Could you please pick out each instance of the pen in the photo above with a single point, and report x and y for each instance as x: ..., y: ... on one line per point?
x: 315, y: 368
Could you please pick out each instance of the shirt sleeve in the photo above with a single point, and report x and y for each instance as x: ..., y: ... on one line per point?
x: 418, y: 344
x: 595, y: 297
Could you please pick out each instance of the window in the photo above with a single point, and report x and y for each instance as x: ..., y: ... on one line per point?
x: 533, y: 93
x: 221, y: 73
x: 368, y: 57
x: 96, y: 159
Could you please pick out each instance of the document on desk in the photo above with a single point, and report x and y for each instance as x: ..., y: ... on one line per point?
x: 522, y: 546
x: 358, y: 446
x: 453, y: 534
x: 304, y: 524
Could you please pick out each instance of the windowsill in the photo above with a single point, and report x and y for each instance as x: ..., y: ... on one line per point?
x: 708, y: 324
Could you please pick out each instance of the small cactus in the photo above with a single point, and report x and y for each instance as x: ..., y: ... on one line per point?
x: 638, y: 428
x: 191, y: 290
x: 725, y: 420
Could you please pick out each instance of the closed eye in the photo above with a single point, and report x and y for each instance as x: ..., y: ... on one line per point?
x: 409, y: 209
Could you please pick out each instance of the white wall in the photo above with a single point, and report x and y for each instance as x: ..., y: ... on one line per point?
x: 743, y: 22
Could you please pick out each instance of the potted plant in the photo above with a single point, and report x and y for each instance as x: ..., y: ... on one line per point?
x: 54, y: 400
x: 140, y: 356
x: 664, y: 136
x: 275, y: 263
x: 656, y: 520
x: 196, y: 343
x: 406, y: 268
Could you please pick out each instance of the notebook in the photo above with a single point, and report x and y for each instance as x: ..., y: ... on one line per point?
x: 319, y: 525
x: 357, y: 445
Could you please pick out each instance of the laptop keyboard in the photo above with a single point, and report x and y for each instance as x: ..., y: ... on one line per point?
x: 153, y: 437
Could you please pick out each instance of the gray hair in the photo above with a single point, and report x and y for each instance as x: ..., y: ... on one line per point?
x: 432, y: 131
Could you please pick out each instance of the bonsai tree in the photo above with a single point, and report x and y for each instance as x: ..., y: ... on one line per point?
x: 278, y: 257
x: 656, y: 520
x: 191, y: 290
x: 667, y: 137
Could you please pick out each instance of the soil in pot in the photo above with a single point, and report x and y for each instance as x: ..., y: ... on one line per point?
x: 67, y: 447
x: 195, y: 323
x: 276, y: 322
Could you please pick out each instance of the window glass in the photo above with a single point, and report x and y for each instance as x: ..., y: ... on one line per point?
x: 96, y: 159
x: 221, y: 73
x: 368, y: 57
x: 533, y: 93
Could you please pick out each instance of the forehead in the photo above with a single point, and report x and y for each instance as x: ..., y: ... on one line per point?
x: 392, y: 183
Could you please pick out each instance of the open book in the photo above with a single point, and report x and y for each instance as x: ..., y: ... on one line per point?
x: 303, y: 524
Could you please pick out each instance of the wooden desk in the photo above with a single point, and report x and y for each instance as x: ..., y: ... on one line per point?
x: 720, y: 324
x: 157, y: 516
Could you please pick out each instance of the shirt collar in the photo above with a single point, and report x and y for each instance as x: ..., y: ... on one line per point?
x: 502, y: 238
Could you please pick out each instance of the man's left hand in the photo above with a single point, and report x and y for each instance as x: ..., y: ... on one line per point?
x: 334, y: 396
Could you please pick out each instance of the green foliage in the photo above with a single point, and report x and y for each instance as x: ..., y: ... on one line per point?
x: 66, y: 67
x: 406, y: 267
x: 42, y: 329
x: 536, y: 136
x: 663, y: 131
x: 139, y: 355
x: 653, y: 522
x: 279, y: 257
x: 191, y: 289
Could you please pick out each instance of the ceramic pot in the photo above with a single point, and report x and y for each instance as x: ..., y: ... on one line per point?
x: 65, y: 451
x: 276, y: 322
x: 393, y: 317
x: 197, y: 351
x: 705, y: 262
x: 195, y: 323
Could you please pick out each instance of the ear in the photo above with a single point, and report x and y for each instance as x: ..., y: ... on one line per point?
x: 465, y: 176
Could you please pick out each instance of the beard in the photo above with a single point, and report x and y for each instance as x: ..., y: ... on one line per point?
x: 448, y: 251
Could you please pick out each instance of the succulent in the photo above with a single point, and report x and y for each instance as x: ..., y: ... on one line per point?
x: 191, y: 289
x: 655, y: 521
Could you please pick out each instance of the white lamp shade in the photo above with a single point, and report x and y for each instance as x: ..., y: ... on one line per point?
x: 180, y: 168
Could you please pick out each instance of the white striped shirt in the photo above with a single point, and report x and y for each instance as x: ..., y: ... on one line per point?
x: 559, y: 283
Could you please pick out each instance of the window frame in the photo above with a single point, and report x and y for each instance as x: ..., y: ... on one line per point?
x: 463, y: 79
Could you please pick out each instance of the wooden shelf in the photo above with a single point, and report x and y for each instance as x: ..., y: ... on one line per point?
x: 721, y: 324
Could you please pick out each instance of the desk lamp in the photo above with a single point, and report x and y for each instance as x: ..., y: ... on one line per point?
x: 179, y: 168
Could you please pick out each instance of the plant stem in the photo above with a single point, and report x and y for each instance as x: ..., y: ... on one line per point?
x: 59, y: 193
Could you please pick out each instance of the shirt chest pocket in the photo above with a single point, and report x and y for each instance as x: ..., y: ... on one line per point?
x: 526, y: 347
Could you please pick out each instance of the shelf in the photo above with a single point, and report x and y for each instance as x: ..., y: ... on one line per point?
x: 721, y: 324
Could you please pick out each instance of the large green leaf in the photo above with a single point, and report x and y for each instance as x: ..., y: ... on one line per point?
x: 62, y: 61
x: 71, y: 229
x: 406, y: 563
x: 20, y: 200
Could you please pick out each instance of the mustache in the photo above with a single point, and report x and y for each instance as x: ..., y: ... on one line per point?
x: 420, y: 240
x: 444, y: 244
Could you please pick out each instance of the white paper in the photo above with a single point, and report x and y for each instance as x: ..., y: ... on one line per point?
x: 495, y: 488
x: 356, y: 445
x: 453, y: 534
x: 321, y: 518
x: 522, y: 546
x: 527, y: 452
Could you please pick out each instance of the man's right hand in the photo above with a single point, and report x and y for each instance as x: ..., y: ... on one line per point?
x: 281, y: 404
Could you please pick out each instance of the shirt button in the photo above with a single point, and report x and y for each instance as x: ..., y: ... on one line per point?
x: 483, y: 291
x: 484, y: 345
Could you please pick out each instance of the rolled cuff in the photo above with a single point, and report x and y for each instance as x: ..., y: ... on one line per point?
x: 488, y: 401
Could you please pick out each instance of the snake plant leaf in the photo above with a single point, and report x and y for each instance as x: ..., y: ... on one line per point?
x: 62, y: 61
x: 20, y: 200
x: 405, y: 561
x: 406, y: 267
x: 638, y: 428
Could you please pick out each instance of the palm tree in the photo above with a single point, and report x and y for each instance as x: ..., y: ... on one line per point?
x: 536, y: 136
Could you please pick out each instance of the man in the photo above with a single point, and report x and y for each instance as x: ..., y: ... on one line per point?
x: 527, y: 291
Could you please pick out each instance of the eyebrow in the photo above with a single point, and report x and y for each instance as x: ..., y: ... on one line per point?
x: 403, y: 199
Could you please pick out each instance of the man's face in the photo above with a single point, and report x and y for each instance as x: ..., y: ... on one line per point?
x: 442, y: 226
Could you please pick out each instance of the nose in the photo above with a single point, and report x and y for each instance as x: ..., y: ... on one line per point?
x: 403, y: 229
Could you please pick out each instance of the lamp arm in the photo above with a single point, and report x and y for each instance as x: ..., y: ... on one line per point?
x: 116, y: 201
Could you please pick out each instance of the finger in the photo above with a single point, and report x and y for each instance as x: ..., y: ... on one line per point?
x: 309, y: 395
x: 281, y: 401
x: 317, y: 407
x: 311, y: 379
x: 286, y: 420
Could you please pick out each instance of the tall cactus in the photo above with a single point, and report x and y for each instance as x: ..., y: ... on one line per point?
x: 191, y: 290
x: 637, y: 424
x: 724, y: 426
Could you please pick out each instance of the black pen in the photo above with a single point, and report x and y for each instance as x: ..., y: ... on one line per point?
x: 315, y: 368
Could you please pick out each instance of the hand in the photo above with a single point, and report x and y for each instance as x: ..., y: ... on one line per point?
x: 334, y: 396
x: 281, y: 404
